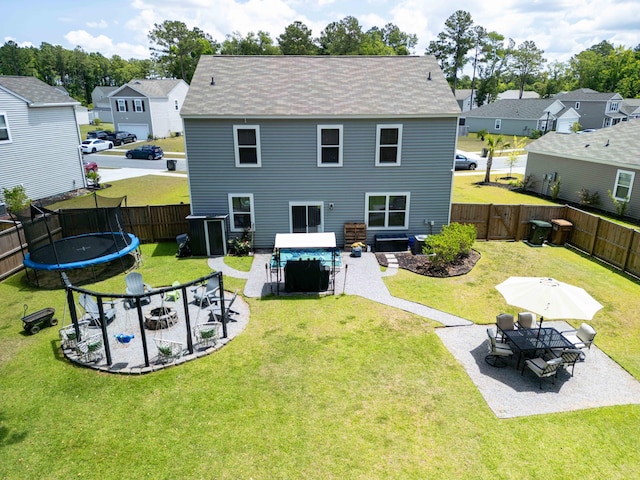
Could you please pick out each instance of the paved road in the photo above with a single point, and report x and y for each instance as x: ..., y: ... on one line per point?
x: 499, y: 165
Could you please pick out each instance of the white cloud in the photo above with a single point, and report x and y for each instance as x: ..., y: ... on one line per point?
x: 101, y: 24
x: 105, y: 45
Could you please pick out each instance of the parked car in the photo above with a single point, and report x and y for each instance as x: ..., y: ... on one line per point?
x: 95, y: 145
x: 586, y: 130
x: 101, y: 134
x: 89, y: 166
x: 120, y: 137
x: 150, y: 152
x: 463, y: 162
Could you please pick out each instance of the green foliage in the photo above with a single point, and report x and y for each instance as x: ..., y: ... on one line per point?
x: 588, y: 199
x: 494, y: 144
x: 93, y: 177
x: 555, y: 190
x: 453, y: 242
x: 241, y: 246
x: 576, y: 127
x: 482, y: 134
x: 297, y: 39
x: 621, y: 205
x: 16, y: 198
x: 252, y: 44
x: 536, y: 134
x: 97, y: 121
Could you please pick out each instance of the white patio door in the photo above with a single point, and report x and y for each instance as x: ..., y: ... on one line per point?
x: 305, y: 217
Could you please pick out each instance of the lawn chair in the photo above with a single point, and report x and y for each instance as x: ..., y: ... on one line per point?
x: 582, y: 337
x: 497, y: 351
x: 207, y: 294
x: 135, y: 286
x: 173, y: 295
x: 543, y: 368
x: 527, y: 320
x: 90, y: 307
x: 504, y: 321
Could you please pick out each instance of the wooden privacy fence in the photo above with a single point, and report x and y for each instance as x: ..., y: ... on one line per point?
x: 605, y: 240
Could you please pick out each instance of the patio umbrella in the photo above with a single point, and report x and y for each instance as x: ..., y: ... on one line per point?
x: 549, y: 298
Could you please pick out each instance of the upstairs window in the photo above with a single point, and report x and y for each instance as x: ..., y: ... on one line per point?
x: 246, y: 140
x: 5, y: 135
x: 498, y: 124
x: 138, y: 105
x: 329, y: 145
x: 241, y: 211
x: 387, y: 210
x: 121, y: 105
x: 624, y: 185
x: 388, y: 144
x: 577, y: 105
x: 614, y: 106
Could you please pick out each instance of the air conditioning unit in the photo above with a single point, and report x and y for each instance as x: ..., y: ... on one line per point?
x: 3, y: 209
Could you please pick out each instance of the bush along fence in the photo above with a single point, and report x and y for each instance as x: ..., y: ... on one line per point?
x: 605, y: 240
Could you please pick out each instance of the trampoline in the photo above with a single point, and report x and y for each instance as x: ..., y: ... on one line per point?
x: 92, y: 232
x: 82, y: 251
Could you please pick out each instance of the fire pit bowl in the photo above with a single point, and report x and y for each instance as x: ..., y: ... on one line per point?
x: 160, y: 317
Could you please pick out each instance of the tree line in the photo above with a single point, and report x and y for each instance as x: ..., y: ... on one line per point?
x: 496, y: 62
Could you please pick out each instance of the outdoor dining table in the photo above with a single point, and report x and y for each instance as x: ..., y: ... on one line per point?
x: 531, y: 340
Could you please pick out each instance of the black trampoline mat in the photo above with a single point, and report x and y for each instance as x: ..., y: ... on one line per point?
x: 80, y: 249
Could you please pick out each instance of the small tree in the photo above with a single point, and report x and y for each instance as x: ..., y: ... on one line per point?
x: 494, y: 144
x: 16, y: 198
x: 621, y: 205
x: 555, y: 190
x: 518, y: 145
x: 481, y: 134
x: 588, y: 199
x: 94, y: 178
x: 576, y: 127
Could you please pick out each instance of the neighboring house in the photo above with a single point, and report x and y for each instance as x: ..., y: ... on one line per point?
x: 39, y: 138
x: 515, y: 95
x: 82, y: 115
x: 607, y: 159
x: 596, y: 110
x: 519, y: 117
x: 288, y: 144
x: 463, y: 97
x: 631, y: 108
x: 101, y: 104
x: 149, y: 107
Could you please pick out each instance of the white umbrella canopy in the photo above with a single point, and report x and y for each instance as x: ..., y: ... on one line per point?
x: 549, y: 298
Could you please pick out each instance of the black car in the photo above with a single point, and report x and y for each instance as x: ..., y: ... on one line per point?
x: 150, y: 152
x: 101, y: 134
x: 120, y: 137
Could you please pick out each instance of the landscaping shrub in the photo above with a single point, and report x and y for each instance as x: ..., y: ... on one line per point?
x: 536, y: 134
x: 588, y: 199
x: 452, y: 243
x: 240, y: 246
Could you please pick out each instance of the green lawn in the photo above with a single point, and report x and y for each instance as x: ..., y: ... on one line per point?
x: 335, y: 387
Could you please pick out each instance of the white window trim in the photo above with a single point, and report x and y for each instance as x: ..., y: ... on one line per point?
x: 386, y: 211
x: 138, y: 103
x: 307, y: 204
x: 236, y: 147
x: 340, y: 145
x: 498, y: 124
x: 379, y: 128
x: 230, y: 197
x: 615, y: 185
x: 6, y: 121
x: 121, y: 107
x: 614, y: 106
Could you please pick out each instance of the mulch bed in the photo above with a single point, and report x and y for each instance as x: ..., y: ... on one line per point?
x: 421, y: 264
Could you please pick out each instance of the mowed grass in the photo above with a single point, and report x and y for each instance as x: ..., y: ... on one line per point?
x: 327, y: 388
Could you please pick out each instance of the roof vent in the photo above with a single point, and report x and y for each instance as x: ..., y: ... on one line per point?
x: 213, y: 81
x: 586, y: 145
x: 607, y: 144
x: 429, y: 77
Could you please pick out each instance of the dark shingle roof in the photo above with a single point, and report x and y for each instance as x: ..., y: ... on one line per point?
x: 524, y: 109
x: 617, y: 145
x: 318, y: 86
x: 150, y: 88
x: 35, y: 92
x: 585, y: 95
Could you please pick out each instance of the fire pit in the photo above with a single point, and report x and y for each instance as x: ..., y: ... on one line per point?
x: 160, y: 317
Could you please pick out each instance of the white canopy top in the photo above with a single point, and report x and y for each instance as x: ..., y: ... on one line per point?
x: 306, y: 240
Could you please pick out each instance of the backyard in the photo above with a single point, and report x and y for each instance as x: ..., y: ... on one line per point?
x: 334, y: 387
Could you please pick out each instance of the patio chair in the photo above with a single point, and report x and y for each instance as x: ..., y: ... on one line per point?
x: 208, y: 333
x: 135, y: 286
x: 527, y: 320
x: 497, y: 351
x: 570, y: 357
x: 216, y: 315
x: 504, y: 321
x: 168, y: 350
x: 91, y: 310
x: 582, y: 337
x: 543, y: 368
x: 173, y: 295
x: 207, y: 294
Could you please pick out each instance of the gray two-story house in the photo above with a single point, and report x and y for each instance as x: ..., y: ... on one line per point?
x: 288, y: 144
x: 596, y: 110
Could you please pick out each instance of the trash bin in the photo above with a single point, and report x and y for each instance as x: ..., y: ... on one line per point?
x: 418, y: 244
x: 560, y: 231
x: 485, y: 152
x: 539, y: 232
x: 171, y: 165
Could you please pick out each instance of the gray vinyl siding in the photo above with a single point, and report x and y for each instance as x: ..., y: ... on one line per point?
x: 289, y: 172
x: 508, y: 127
x: 131, y: 116
x: 576, y: 175
x: 44, y: 152
x: 591, y: 113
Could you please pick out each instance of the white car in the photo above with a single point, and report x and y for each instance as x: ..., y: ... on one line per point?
x: 94, y: 145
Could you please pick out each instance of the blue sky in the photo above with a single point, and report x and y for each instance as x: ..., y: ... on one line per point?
x: 561, y: 28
